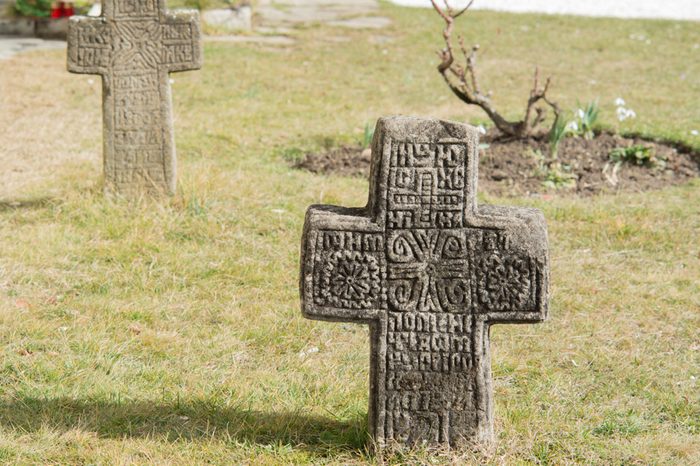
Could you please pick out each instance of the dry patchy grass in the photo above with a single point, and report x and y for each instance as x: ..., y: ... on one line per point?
x: 171, y: 334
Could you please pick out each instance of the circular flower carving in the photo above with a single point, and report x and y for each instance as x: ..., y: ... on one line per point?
x: 504, y: 282
x: 351, y: 280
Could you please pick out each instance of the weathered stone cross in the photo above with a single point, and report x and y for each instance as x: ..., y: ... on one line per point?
x: 429, y: 271
x: 133, y: 46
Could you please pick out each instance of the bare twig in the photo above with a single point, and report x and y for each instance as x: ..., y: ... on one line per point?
x: 463, y: 81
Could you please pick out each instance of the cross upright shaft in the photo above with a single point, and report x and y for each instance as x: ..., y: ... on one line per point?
x: 429, y: 271
x: 133, y: 46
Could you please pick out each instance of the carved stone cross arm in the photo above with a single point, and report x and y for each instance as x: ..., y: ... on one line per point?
x: 182, y: 49
x: 173, y: 39
x: 513, y: 275
x: 89, y: 45
x: 346, y: 280
x: 429, y: 271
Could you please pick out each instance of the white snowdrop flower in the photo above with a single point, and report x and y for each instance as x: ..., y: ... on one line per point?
x: 91, y: 81
x: 695, y: 132
x: 620, y: 102
x: 572, y: 126
x: 481, y: 129
x: 580, y: 113
x: 625, y: 113
x: 172, y: 81
x: 621, y: 113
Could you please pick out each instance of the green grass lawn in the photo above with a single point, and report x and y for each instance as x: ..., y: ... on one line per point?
x: 161, y: 333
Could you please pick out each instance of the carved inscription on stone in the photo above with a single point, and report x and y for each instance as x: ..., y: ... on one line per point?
x: 135, y: 8
x: 430, y: 272
x: 426, y: 185
x: 133, y: 46
x: 350, y: 268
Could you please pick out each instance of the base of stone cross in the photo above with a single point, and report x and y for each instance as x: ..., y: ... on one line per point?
x: 429, y: 271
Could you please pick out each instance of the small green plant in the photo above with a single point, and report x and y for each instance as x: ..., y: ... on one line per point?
x: 368, y: 135
x: 555, y: 174
x: 587, y: 118
x: 636, y: 155
x: 34, y: 8
x: 292, y: 155
x: 624, y: 424
x: 560, y: 129
x: 559, y: 176
x: 196, y: 207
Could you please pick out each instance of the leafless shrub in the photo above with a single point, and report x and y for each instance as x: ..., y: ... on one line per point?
x: 462, y: 78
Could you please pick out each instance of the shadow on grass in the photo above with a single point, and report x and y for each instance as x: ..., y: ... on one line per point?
x: 186, y: 420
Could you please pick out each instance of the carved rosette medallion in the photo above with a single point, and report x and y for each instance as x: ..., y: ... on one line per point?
x: 350, y: 280
x: 504, y: 281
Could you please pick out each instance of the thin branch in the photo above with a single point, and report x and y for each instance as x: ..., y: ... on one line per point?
x: 444, y: 15
x: 463, y: 10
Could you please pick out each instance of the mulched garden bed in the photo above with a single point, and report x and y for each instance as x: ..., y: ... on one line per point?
x: 512, y: 168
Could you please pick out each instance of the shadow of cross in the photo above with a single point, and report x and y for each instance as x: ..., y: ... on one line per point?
x: 429, y: 271
x: 133, y: 46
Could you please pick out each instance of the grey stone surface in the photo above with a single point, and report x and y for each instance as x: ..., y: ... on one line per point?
x: 232, y: 19
x: 264, y: 40
x: 282, y: 14
x: 45, y: 28
x: 17, y: 27
x: 52, y: 28
x: 369, y: 22
x: 429, y: 271
x: 133, y: 46
x: 12, y: 45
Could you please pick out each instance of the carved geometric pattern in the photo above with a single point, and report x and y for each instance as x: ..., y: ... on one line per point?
x: 350, y: 272
x: 350, y: 279
x: 504, y: 281
x: 431, y: 272
x: 427, y: 271
x: 133, y: 46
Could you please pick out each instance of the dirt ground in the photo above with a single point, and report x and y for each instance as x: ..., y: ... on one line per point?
x: 514, y: 168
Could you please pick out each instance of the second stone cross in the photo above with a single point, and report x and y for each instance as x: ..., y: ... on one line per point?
x: 133, y: 46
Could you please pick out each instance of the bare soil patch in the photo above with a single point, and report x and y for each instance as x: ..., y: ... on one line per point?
x: 513, y: 168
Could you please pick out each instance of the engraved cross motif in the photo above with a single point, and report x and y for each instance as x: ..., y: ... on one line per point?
x: 133, y: 46
x: 429, y: 271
